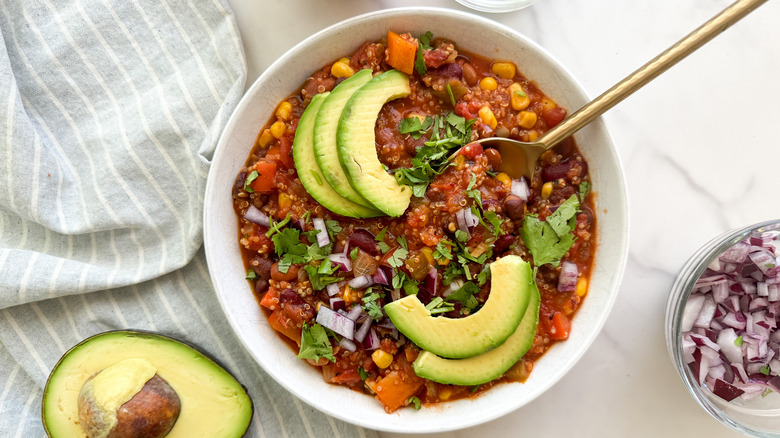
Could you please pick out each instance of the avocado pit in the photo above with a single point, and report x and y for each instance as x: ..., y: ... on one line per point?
x: 128, y: 399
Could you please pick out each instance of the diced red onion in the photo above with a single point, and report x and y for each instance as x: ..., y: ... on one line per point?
x: 354, y: 312
x: 453, y: 287
x: 372, y: 340
x: 332, y: 289
x: 520, y: 188
x: 336, y: 322
x: 342, y: 260
x: 337, y: 304
x: 253, y: 214
x: 466, y: 220
x: 730, y: 337
x: 322, y: 237
x: 567, y: 281
x: 360, y: 335
x: 348, y: 345
x: 431, y: 281
x: 361, y: 282
x: 383, y: 275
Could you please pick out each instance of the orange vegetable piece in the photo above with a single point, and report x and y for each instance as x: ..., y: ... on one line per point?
x: 271, y: 299
x: 266, y: 171
x: 394, y: 390
x: 276, y: 323
x: 561, y: 326
x: 400, y: 53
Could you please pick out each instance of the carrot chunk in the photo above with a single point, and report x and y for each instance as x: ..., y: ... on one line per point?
x: 394, y: 390
x: 401, y: 52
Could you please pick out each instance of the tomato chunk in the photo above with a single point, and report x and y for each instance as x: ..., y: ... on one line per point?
x: 266, y: 174
x: 561, y: 325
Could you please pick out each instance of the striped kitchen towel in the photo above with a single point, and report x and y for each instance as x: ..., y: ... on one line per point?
x: 109, y: 113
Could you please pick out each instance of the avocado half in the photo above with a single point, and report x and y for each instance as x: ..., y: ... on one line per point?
x: 213, y: 402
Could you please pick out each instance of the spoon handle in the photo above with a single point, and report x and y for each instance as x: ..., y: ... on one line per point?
x: 649, y: 71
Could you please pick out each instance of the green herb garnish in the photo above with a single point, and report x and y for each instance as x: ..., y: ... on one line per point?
x: 371, y: 304
x: 414, y: 401
x: 423, y: 43
x: 315, y: 344
x: 249, y: 178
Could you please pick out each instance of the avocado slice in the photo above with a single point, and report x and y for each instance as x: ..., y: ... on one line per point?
x: 357, y: 143
x: 309, y: 172
x: 486, y: 366
x: 213, y: 403
x: 512, y: 284
x: 325, y: 126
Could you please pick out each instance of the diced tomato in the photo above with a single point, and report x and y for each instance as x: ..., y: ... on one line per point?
x: 256, y: 238
x: 561, y: 325
x: 266, y: 171
x: 285, y: 151
x: 349, y: 376
x: 271, y: 299
x: 471, y: 150
x: 395, y: 389
x: 401, y: 52
x: 277, y: 324
x: 553, y: 116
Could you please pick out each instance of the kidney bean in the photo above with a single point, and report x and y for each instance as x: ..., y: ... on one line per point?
x: 261, y: 285
x: 261, y: 266
x: 567, y: 170
x: 294, y: 307
x: 470, y: 74
x: 494, y: 158
x: 238, y: 186
x: 291, y: 274
x: 450, y: 70
x: 503, y: 243
x: 514, y: 207
x: 364, y: 240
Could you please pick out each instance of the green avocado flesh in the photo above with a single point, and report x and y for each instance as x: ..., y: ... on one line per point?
x: 489, y: 365
x: 357, y: 144
x: 309, y: 171
x: 325, y: 126
x: 213, y: 403
x: 512, y: 284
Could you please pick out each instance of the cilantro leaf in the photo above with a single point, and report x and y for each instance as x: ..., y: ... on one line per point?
x: 543, y: 242
x: 371, y: 304
x: 442, y: 251
x: 584, y: 190
x: 423, y: 43
x: 560, y: 218
x: 323, y: 275
x: 414, y: 401
x: 396, y: 260
x: 465, y: 294
x: 402, y: 241
x: 288, y: 241
x: 438, y: 305
x: 251, y: 275
x: 248, y: 183
x: 315, y: 344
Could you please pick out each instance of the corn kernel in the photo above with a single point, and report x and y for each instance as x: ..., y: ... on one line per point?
x: 582, y: 286
x: 505, y: 179
x: 548, y: 104
x: 504, y: 70
x: 460, y: 162
x: 533, y: 135
x: 344, y: 60
x: 518, y: 98
x: 284, y: 112
x: 382, y: 359
x: 547, y: 189
x: 488, y: 83
x: 284, y: 200
x: 526, y: 119
x: 341, y: 70
x: 265, y: 138
x: 445, y: 393
x: 278, y: 129
x: 487, y: 117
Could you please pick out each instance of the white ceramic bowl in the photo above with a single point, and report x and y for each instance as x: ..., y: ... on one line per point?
x: 471, y: 33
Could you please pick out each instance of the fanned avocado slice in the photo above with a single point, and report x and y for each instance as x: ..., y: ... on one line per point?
x: 309, y: 172
x: 325, y: 126
x: 512, y: 284
x: 357, y: 143
x: 486, y: 366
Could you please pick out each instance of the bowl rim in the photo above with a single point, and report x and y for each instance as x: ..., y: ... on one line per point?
x: 621, y: 251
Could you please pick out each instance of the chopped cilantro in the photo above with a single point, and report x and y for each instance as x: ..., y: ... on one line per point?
x: 323, y: 275
x: 414, y: 401
x: 371, y: 304
x: 765, y: 370
x: 584, y: 190
x: 363, y: 373
x: 384, y: 247
x: 333, y: 227
x: 738, y: 341
x: 401, y: 280
x: 520, y: 93
x: 381, y: 235
x: 306, y: 217
x: 277, y: 226
x: 559, y: 220
x: 438, y: 305
x: 353, y: 254
x: 396, y: 260
x: 466, y: 295
x: 462, y: 236
x: 315, y: 344
x: 249, y: 178
x: 402, y: 241
x: 492, y: 217
x: 483, y: 276
x: 442, y: 250
x: 251, y: 275
x: 543, y: 242
x: 423, y: 43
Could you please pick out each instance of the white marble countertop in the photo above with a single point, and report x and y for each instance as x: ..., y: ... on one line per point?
x: 699, y: 154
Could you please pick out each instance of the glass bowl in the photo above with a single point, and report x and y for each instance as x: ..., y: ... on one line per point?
x: 758, y: 416
x: 496, y: 5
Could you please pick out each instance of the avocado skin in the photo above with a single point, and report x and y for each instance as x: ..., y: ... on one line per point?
x: 325, y: 136
x: 457, y: 338
x: 227, y: 408
x: 309, y: 171
x: 486, y: 366
x: 357, y: 143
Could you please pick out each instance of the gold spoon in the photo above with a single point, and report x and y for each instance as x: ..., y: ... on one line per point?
x: 519, y: 158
